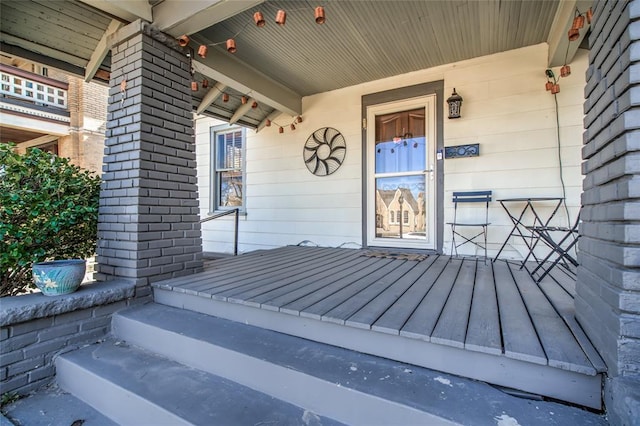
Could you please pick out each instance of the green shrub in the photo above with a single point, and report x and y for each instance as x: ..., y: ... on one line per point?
x: 48, y: 211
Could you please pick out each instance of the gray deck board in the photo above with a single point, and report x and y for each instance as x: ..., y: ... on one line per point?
x: 299, y: 306
x: 567, y: 282
x: 423, y: 320
x: 451, y: 328
x: 369, y: 313
x: 353, y: 304
x: 261, y: 285
x: 494, y: 309
x: 483, y: 333
x: 271, y: 299
x: 353, y: 291
x: 397, y: 315
x: 297, y: 279
x: 250, y: 272
x: 280, y: 302
x: 518, y: 334
x: 560, y: 347
x: 564, y: 304
x: 248, y: 265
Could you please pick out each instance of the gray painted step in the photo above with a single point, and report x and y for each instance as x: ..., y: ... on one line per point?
x: 132, y: 386
x: 52, y: 406
x: 348, y: 386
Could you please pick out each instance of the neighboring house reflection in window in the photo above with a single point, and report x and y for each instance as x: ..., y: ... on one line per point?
x: 228, y: 148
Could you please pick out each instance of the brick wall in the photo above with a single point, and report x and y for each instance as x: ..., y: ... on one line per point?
x: 36, y: 328
x: 149, y: 226
x: 608, y: 284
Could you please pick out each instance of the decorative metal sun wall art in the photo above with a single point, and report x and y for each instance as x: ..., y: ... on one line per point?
x: 324, y: 151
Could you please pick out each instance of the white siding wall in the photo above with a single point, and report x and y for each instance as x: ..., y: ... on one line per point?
x: 506, y: 110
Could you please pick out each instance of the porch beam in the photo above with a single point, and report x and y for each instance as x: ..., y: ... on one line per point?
x: 177, y: 17
x: 237, y: 115
x: 126, y: 10
x: 211, y: 96
x: 270, y: 117
x: 101, y: 51
x: 222, y: 67
x: 558, y: 40
x: 38, y: 141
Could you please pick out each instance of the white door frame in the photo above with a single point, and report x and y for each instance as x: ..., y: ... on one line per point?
x: 428, y: 102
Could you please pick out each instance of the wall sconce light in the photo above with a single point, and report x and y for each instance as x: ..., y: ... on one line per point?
x: 455, y: 104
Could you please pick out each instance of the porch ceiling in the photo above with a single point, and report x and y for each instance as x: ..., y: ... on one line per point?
x: 277, y: 65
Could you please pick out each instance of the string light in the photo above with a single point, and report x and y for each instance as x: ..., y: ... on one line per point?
x: 258, y: 19
x: 574, y: 34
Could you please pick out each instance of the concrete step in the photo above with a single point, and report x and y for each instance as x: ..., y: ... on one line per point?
x: 132, y: 386
x: 341, y: 384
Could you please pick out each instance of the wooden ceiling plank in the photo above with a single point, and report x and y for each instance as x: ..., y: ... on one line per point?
x: 25, y: 25
x: 177, y: 17
x: 102, y: 49
x: 129, y: 10
x: 211, y: 96
x: 233, y: 73
x: 43, y: 50
x: 67, y: 16
x: 242, y: 110
x: 78, y: 11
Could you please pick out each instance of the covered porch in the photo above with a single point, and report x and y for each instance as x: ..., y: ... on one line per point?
x: 483, y: 320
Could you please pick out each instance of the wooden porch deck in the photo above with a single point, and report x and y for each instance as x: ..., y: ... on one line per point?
x: 490, y: 321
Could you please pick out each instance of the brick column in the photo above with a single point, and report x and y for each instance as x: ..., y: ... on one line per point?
x: 149, y: 226
x: 608, y: 284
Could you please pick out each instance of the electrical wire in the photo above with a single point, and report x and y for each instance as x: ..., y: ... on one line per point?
x: 564, y: 189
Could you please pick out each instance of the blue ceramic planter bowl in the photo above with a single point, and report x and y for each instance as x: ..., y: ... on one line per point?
x: 59, y: 276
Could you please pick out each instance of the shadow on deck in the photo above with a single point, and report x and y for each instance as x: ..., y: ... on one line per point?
x: 489, y: 322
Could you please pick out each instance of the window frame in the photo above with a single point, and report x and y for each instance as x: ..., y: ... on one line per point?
x: 214, y: 180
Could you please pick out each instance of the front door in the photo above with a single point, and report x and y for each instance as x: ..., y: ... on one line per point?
x: 401, y: 174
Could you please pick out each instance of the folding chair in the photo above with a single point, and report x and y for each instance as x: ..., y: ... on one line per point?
x: 470, y: 197
x: 565, y: 240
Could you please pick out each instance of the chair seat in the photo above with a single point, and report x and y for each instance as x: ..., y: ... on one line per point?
x: 468, y: 224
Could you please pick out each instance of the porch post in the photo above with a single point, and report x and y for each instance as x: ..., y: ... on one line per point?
x: 608, y: 284
x: 149, y: 226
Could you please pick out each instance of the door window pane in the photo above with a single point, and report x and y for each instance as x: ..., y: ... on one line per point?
x: 401, y: 199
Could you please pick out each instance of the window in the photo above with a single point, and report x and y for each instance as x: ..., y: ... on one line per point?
x: 228, y: 146
x: 405, y: 217
x: 393, y: 217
